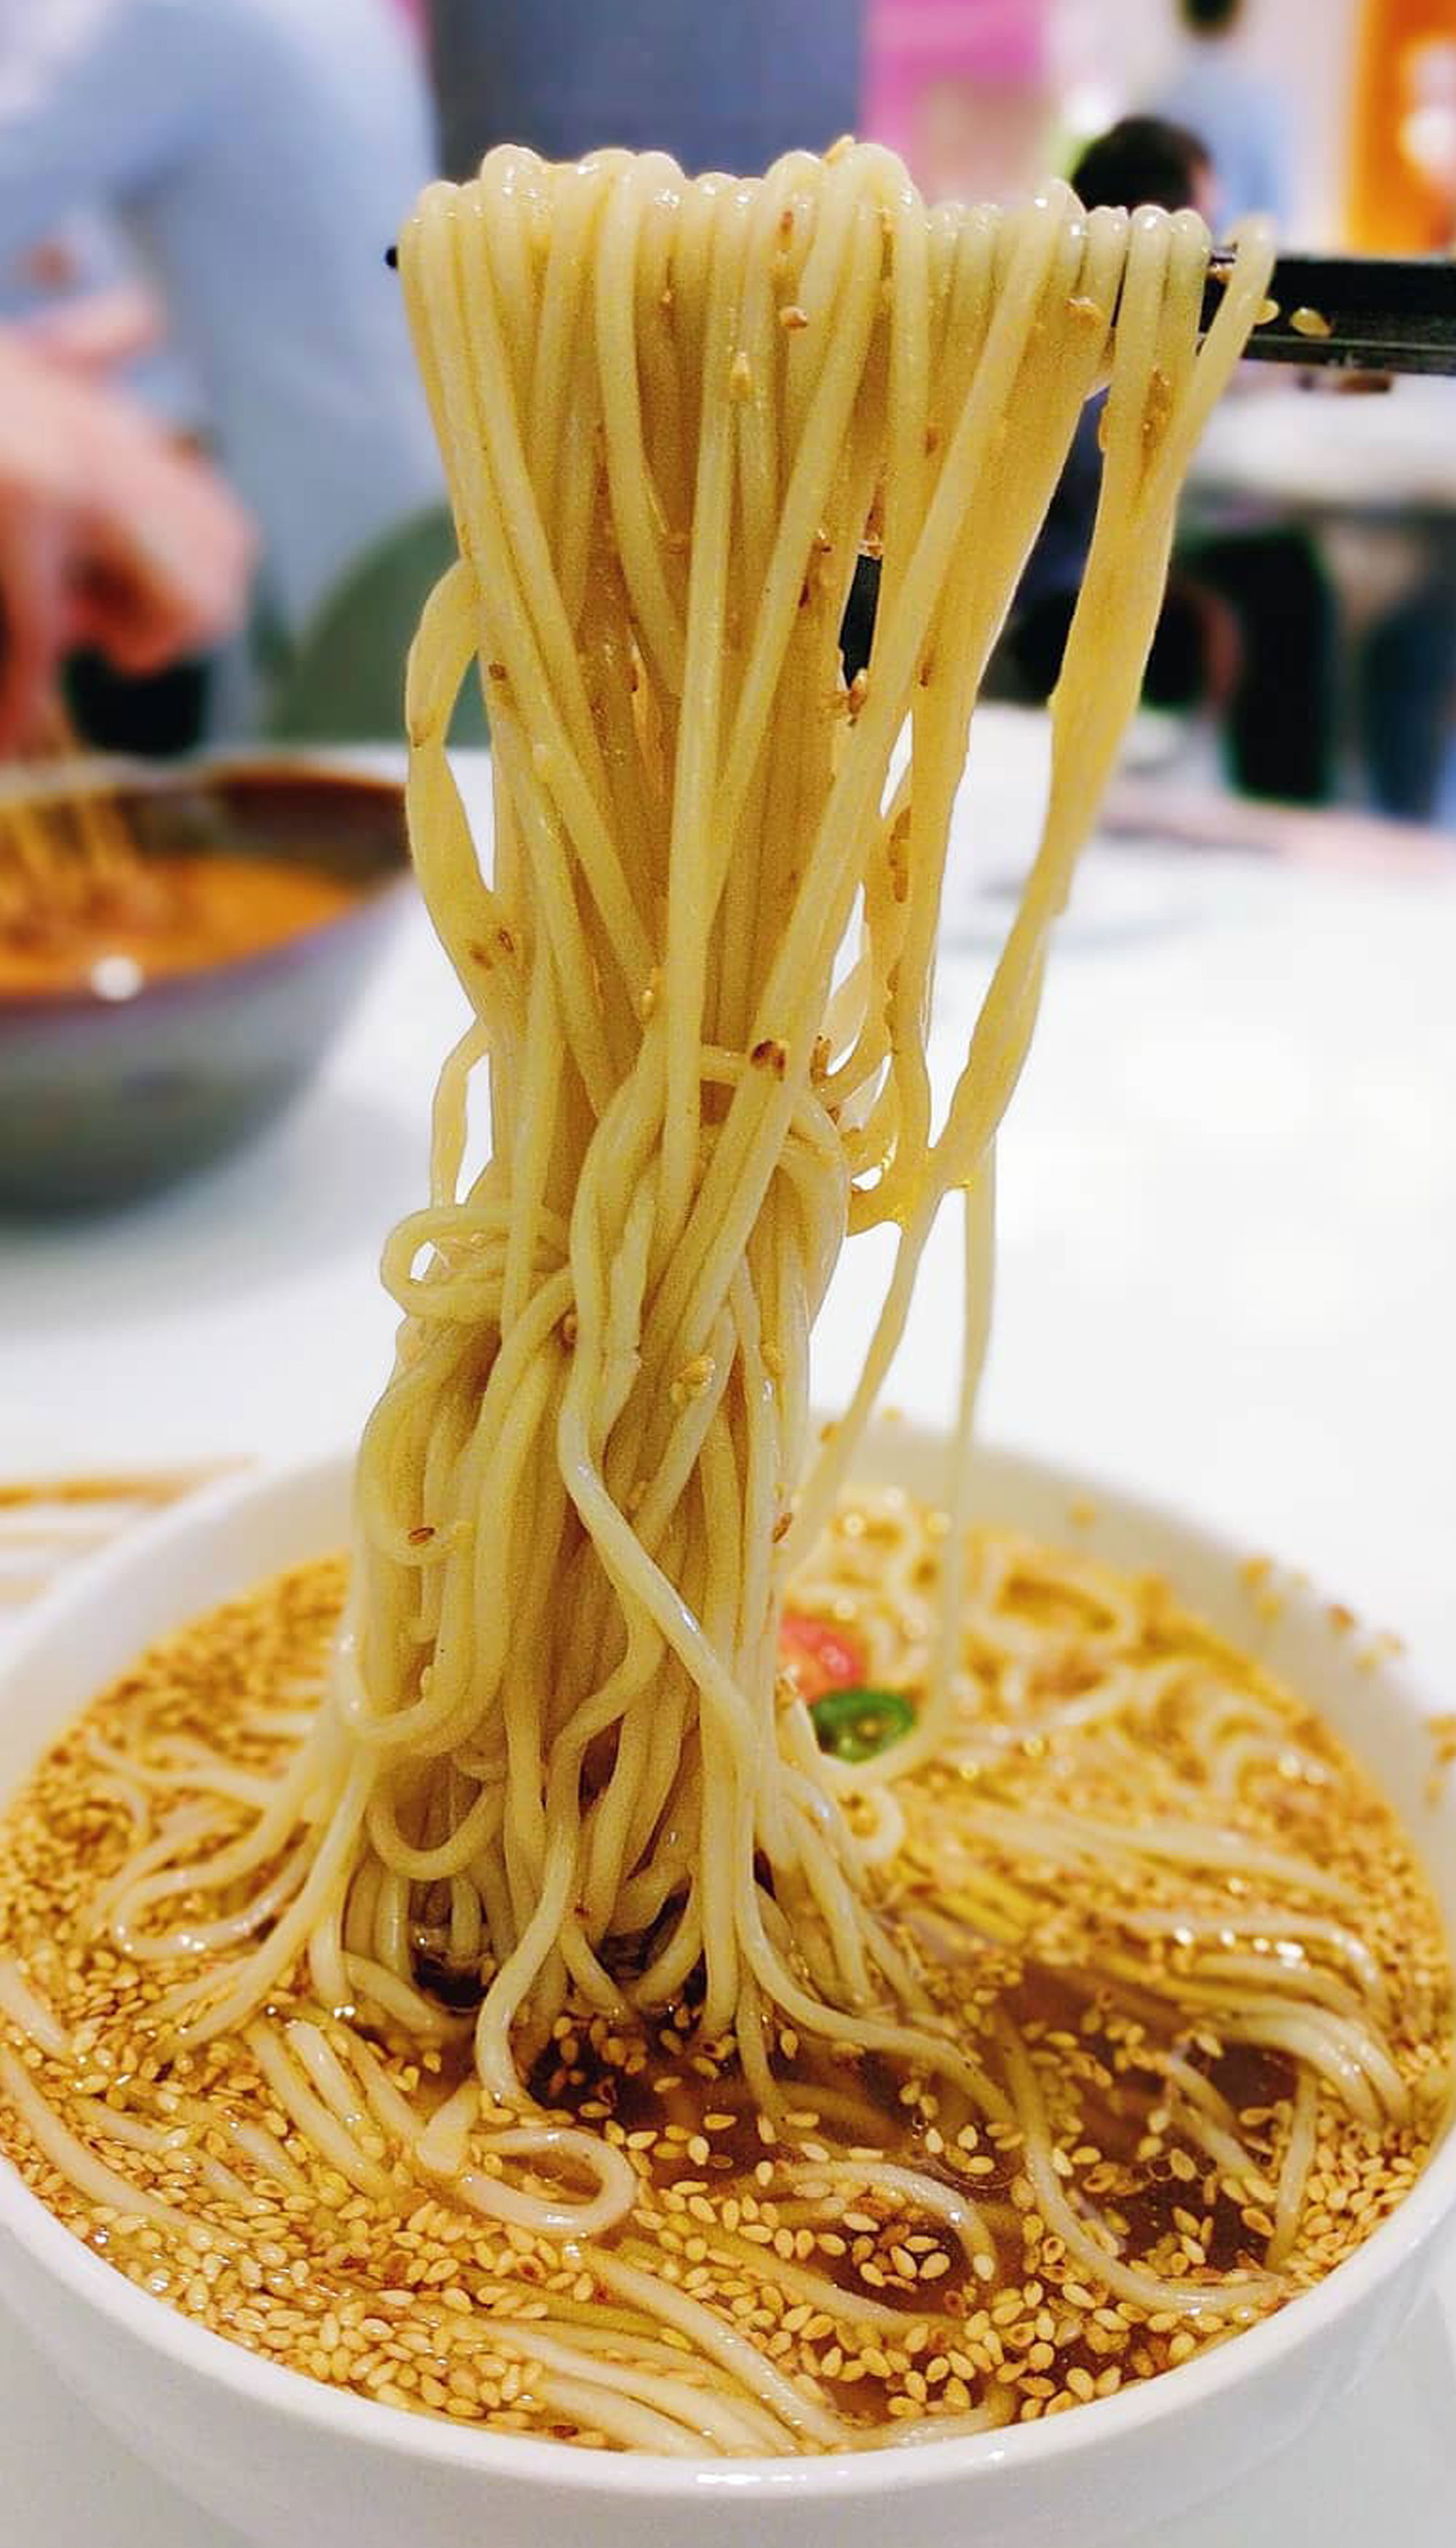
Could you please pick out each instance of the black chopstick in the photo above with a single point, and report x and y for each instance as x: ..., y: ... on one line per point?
x: 1369, y: 314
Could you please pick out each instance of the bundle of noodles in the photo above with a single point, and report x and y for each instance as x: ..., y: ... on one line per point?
x: 555, y: 1764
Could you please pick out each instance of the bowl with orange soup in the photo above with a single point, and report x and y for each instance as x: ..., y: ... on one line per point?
x: 176, y: 956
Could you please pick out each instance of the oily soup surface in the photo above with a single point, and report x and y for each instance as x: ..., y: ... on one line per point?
x: 1168, y: 1914
x: 173, y: 916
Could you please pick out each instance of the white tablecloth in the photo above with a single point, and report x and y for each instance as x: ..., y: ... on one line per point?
x: 1373, y: 457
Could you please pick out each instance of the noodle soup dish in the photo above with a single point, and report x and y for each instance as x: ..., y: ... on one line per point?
x: 108, y: 2328
x: 181, y: 980
x: 672, y: 1954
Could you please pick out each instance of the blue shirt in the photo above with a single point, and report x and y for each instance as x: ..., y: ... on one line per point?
x: 261, y: 153
x: 1241, y: 120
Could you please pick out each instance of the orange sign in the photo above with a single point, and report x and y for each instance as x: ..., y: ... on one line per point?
x: 1402, y: 134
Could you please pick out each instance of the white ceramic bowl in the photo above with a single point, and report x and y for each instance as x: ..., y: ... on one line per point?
x: 283, y: 2459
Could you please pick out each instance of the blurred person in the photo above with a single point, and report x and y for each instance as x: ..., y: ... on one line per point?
x: 87, y: 264
x: 1141, y: 160
x: 728, y: 88
x: 1247, y: 627
x: 260, y: 154
x: 732, y: 86
x: 1237, y: 110
x: 110, y: 536
x: 78, y: 278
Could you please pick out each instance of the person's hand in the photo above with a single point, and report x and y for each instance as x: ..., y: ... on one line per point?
x: 110, y: 536
x: 93, y: 333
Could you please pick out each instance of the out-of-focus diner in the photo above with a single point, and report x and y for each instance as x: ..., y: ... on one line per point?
x: 1227, y: 1241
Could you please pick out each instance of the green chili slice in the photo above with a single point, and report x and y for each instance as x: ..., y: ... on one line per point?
x: 854, y: 1724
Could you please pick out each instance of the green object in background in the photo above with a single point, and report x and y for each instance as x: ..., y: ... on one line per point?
x: 344, y: 681
x: 854, y: 1724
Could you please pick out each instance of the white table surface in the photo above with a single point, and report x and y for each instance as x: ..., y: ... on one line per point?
x: 1228, y: 1276
x: 1328, y: 450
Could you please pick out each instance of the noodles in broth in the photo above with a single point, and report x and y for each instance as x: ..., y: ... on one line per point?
x: 511, y: 1999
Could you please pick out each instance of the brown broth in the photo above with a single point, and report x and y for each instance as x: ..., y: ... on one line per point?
x: 170, y: 916
x: 396, y: 2300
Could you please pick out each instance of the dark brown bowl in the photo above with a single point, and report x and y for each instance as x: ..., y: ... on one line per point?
x: 102, y: 1099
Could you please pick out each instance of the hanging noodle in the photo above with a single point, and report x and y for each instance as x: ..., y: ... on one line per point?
x: 575, y: 1512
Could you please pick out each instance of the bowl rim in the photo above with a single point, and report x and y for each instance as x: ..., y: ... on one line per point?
x: 340, y: 2414
x: 323, y: 765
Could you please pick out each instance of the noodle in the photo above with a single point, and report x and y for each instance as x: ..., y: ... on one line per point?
x: 77, y: 2164
x: 605, y: 1348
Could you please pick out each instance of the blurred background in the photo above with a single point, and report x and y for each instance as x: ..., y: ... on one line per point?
x: 219, y: 500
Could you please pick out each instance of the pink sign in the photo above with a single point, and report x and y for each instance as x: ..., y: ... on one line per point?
x: 920, y: 54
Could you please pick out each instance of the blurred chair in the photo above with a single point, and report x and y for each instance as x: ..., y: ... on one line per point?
x: 345, y: 679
